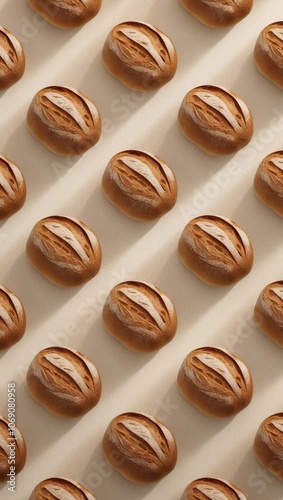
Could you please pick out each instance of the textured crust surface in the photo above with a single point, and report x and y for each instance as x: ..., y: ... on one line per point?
x: 268, y: 53
x: 11, y: 439
x: 212, y: 488
x: 218, y: 13
x: 140, y: 184
x: 12, y: 318
x: 140, y: 447
x: 60, y: 488
x: 268, y: 182
x: 12, y: 59
x: 66, y: 14
x: 12, y: 188
x: 268, y: 312
x: 268, y: 444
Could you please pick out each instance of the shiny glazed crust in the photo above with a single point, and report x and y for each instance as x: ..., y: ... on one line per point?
x: 139, y: 55
x: 12, y: 318
x: 213, y: 488
x: 268, y: 182
x: 11, y: 438
x: 12, y: 60
x: 268, y: 444
x: 268, y: 312
x: 218, y: 13
x: 268, y: 53
x: 59, y: 487
x: 12, y: 188
x: 65, y: 14
x: 216, y: 120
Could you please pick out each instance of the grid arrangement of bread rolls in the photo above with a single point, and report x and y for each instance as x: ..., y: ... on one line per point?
x: 141, y: 293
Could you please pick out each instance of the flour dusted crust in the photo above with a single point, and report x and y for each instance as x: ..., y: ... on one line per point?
x: 218, y: 13
x: 268, y: 182
x: 268, y: 444
x: 64, y: 119
x: 139, y: 447
x: 12, y: 318
x: 212, y: 488
x: 215, y: 381
x: 64, y: 382
x: 268, y: 53
x: 12, y: 188
x: 268, y: 312
x: 12, y: 59
x: 66, y: 14
x: 139, y: 55
x: 11, y: 439
x: 62, y: 489
x: 215, y: 119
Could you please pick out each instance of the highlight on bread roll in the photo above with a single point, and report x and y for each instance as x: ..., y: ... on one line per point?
x: 216, y: 250
x: 140, y: 184
x: 65, y: 14
x: 268, y: 181
x: 60, y: 488
x: 268, y: 53
x: 215, y: 381
x: 140, y: 56
x: 12, y: 318
x: 268, y: 312
x: 12, y: 188
x: 218, y: 14
x: 64, y: 381
x: 268, y: 444
x: 215, y: 119
x: 12, y: 59
x: 64, y: 119
x: 13, y: 451
x: 64, y: 250
x: 140, y: 316
x: 139, y: 447
x: 212, y: 488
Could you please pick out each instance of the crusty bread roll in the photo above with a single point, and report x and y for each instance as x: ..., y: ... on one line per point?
x: 12, y: 188
x: 139, y: 55
x: 268, y: 182
x: 215, y: 381
x: 268, y: 312
x: 216, y: 249
x: 64, y: 120
x: 12, y: 59
x: 60, y: 488
x: 215, y: 119
x: 218, y: 13
x: 64, y: 382
x: 66, y: 14
x: 139, y: 447
x: 268, y: 444
x: 12, y: 318
x: 140, y: 316
x: 268, y: 53
x: 140, y: 184
x: 64, y: 250
x: 13, y: 449
x: 212, y: 488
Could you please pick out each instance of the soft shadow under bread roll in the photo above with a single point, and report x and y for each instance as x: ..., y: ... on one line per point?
x: 212, y: 488
x: 12, y: 188
x: 268, y: 444
x: 12, y: 318
x: 268, y: 182
x: 66, y: 14
x: 59, y: 488
x: 12, y: 60
x: 218, y: 14
x: 268, y: 312
x: 268, y: 53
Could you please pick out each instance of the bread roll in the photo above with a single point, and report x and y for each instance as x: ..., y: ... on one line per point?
x: 12, y: 188
x: 140, y: 56
x: 140, y: 184
x: 212, y: 488
x: 12, y: 318
x: 66, y: 14
x: 268, y: 444
x: 268, y: 312
x: 12, y: 59
x: 60, y: 488
x: 216, y: 120
x: 268, y: 53
x: 216, y: 250
x: 13, y: 451
x: 139, y: 447
x: 140, y: 316
x: 64, y: 382
x: 268, y: 182
x: 215, y: 381
x: 218, y: 13
x: 64, y: 120
x: 64, y: 250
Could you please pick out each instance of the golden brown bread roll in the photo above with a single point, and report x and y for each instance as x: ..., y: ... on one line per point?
x: 140, y: 316
x: 268, y: 182
x: 268, y: 53
x: 268, y: 312
x: 216, y: 249
x: 218, y: 13
x: 12, y: 59
x: 268, y: 444
x: 66, y: 14
x: 215, y: 119
x: 13, y: 451
x: 64, y: 250
x: 139, y: 447
x: 64, y: 382
x: 140, y: 184
x: 64, y: 119
x: 139, y: 55
x: 59, y: 488
x: 215, y: 381
x: 12, y: 318
x: 12, y: 188
x: 212, y: 488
